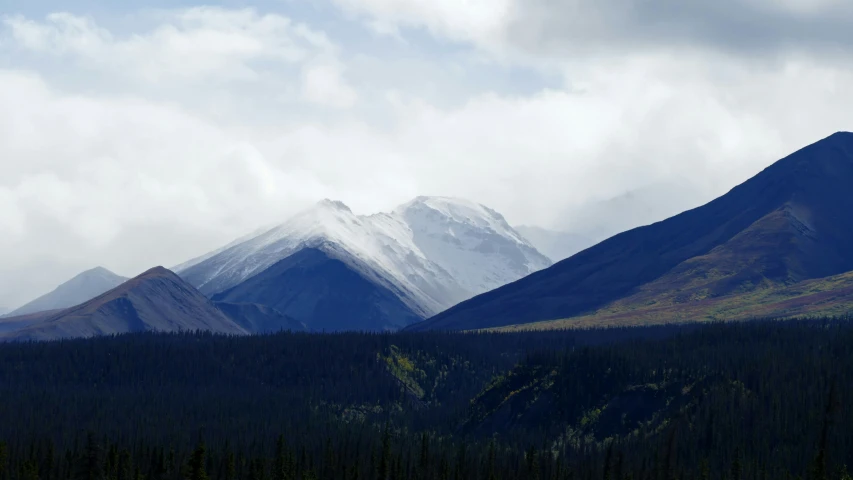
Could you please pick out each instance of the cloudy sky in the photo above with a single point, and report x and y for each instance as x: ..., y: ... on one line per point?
x: 146, y: 132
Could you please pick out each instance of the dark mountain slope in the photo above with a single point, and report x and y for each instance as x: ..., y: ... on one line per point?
x: 11, y: 324
x: 790, y: 222
x: 157, y: 300
x: 256, y: 318
x: 315, y: 287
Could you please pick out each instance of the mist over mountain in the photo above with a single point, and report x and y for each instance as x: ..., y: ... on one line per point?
x: 554, y: 244
x: 787, y: 224
x: 79, y: 289
x: 601, y: 219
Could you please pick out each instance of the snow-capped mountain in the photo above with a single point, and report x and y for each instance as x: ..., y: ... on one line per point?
x: 79, y: 289
x: 195, y: 261
x: 431, y: 253
x: 470, y: 241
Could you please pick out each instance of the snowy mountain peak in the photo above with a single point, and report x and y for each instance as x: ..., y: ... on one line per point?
x: 450, y: 210
x: 471, y: 241
x: 433, y: 252
x: 450, y: 206
x: 334, y: 205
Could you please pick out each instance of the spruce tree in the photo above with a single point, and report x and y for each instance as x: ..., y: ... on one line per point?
x: 230, y: 466
x: 4, y: 460
x: 125, y: 468
x: 196, y: 466
x: 280, y: 464
x: 49, y: 463
x: 491, y: 473
x: 737, y: 466
x: 90, y: 467
x: 384, y: 468
x: 423, y: 459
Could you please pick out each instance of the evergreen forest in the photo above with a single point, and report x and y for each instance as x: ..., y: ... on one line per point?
x: 762, y: 400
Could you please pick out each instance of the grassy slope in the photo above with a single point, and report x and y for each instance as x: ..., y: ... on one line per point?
x: 824, y: 296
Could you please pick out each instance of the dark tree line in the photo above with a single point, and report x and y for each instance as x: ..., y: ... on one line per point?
x: 725, y: 402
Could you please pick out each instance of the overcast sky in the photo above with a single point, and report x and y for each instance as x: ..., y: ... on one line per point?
x: 144, y: 133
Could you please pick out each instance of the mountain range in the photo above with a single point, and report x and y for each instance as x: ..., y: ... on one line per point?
x: 325, y: 268
x: 158, y: 300
x: 335, y: 270
x: 767, y: 241
x: 82, y: 287
x: 778, y: 245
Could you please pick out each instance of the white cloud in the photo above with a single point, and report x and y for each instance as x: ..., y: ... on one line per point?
x: 179, y: 141
x: 471, y: 20
x: 323, y: 85
x: 202, y: 44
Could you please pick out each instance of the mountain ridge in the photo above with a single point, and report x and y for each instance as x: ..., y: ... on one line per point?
x: 803, y: 192
x: 156, y: 300
x: 83, y: 286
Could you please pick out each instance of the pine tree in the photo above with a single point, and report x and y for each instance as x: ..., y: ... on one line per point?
x: 384, y: 468
x: 459, y: 471
x: 704, y: 470
x: 112, y: 462
x: 423, y: 459
x: 607, y: 459
x: 491, y: 474
x: 125, y: 468
x: 260, y: 469
x: 230, y: 465
x: 170, y: 462
x: 29, y: 470
x: 90, y: 465
x: 532, y: 462
x: 4, y: 460
x: 196, y: 466
x: 49, y: 462
x: 618, y: 472
x: 444, y: 469
x: 280, y: 464
x: 329, y: 466
x: 737, y: 466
